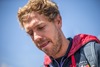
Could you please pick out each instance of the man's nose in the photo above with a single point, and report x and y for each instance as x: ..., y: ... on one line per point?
x: 37, y: 36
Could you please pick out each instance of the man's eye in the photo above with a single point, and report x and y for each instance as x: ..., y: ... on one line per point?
x: 41, y: 28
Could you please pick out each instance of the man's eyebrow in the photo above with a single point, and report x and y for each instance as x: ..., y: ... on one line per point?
x: 36, y: 25
x: 39, y: 24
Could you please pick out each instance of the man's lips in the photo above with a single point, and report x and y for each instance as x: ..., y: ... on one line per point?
x: 44, y: 44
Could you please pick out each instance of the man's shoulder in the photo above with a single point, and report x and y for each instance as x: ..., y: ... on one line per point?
x: 81, y: 40
x: 91, y: 52
x: 97, y: 48
x: 91, y: 46
x: 94, y: 44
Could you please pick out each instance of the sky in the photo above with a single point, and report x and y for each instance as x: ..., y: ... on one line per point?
x: 17, y: 48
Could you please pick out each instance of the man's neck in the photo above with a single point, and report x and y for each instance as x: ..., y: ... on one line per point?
x: 63, y: 49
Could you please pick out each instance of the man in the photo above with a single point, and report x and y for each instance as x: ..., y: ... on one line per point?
x: 41, y: 19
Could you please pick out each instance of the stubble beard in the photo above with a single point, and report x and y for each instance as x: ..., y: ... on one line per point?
x: 55, y: 47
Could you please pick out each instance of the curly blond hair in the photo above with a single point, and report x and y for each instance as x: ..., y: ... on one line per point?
x: 45, y: 7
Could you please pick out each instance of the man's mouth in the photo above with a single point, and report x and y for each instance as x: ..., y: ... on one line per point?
x: 44, y: 44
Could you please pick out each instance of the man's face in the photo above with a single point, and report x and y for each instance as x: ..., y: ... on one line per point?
x: 45, y: 34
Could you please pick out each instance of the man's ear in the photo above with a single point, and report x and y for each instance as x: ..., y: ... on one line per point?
x: 58, y: 21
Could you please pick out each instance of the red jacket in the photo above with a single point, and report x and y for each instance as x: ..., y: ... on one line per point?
x: 78, y: 41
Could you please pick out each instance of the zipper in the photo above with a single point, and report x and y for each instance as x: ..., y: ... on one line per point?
x: 61, y: 63
x: 57, y: 63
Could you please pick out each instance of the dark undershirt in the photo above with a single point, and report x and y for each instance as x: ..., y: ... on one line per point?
x: 69, y: 47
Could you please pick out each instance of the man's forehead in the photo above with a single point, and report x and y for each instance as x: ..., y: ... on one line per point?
x: 28, y: 17
x: 34, y: 19
x: 33, y: 16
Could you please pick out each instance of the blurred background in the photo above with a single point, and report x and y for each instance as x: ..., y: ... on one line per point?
x: 17, y: 48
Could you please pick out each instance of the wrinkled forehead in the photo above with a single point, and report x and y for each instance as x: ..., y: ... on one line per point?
x: 29, y: 16
x: 33, y: 15
x: 33, y: 19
